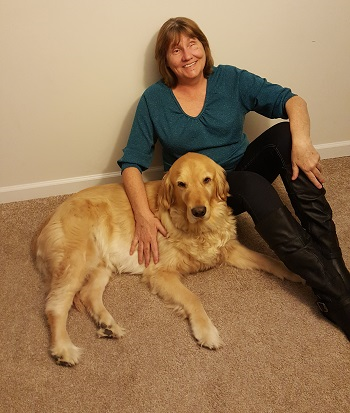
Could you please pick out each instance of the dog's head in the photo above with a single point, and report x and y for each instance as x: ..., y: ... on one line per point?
x: 193, y: 185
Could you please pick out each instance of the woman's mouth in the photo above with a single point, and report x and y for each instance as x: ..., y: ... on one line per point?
x: 190, y: 64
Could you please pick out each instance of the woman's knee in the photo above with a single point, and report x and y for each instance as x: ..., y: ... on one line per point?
x: 270, y: 153
x: 281, y: 128
x: 252, y: 193
x: 280, y: 137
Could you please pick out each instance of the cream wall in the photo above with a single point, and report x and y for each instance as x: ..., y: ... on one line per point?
x: 72, y: 72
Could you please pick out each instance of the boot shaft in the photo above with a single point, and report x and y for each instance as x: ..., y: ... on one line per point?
x: 315, y: 214
x: 297, y: 250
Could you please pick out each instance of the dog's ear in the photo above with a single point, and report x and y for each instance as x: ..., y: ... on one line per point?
x: 165, y: 194
x: 222, y: 187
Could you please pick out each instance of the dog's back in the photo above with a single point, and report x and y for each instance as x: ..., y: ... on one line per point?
x: 96, y: 224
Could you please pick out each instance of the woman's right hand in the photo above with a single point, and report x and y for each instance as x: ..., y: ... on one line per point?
x: 145, y: 238
x: 146, y: 224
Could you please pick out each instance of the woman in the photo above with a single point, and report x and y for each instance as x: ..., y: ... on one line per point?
x: 201, y: 108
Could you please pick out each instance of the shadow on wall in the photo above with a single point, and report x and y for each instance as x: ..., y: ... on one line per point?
x: 151, y: 75
x: 121, y: 139
x: 256, y: 124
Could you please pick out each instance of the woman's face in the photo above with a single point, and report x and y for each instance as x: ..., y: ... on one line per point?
x: 186, y: 59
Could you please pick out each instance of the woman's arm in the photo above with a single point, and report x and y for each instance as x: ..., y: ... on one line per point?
x: 304, y: 155
x: 146, y: 224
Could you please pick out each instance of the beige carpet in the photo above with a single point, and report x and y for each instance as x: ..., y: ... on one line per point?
x: 280, y: 355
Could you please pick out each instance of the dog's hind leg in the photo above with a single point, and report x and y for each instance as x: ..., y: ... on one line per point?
x: 242, y: 257
x: 91, y: 296
x: 170, y: 288
x: 58, y: 304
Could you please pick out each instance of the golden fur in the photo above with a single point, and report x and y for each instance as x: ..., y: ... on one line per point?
x: 89, y: 237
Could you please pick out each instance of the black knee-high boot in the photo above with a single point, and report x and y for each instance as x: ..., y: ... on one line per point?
x: 299, y: 252
x: 315, y: 214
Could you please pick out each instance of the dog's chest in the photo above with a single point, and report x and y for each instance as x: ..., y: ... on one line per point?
x: 199, y: 246
x: 195, y: 253
x: 205, y: 250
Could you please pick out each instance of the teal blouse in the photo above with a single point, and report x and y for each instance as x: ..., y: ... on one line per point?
x: 216, y: 132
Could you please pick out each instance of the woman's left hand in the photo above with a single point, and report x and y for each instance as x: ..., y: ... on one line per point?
x: 304, y: 155
x: 306, y: 158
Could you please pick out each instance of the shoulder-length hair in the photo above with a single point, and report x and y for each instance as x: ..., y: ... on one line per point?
x: 168, y: 35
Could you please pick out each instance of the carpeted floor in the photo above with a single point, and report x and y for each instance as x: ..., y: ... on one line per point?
x: 280, y: 355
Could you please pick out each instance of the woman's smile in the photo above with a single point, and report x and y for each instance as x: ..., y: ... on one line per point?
x: 190, y: 64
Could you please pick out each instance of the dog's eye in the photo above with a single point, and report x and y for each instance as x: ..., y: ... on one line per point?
x: 181, y: 184
x: 206, y: 180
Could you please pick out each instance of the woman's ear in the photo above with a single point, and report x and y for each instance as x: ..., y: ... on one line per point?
x: 165, y: 194
x: 222, y: 187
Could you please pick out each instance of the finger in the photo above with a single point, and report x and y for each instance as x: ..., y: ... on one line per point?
x: 161, y: 229
x: 155, y: 252
x: 133, y: 245
x: 140, y: 253
x: 146, y: 254
x: 314, y: 180
x: 319, y: 175
x: 295, y: 171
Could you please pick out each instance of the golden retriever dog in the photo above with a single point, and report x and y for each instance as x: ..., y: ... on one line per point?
x: 89, y: 236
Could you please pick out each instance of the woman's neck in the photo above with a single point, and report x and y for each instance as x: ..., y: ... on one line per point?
x: 191, y: 86
x: 191, y: 97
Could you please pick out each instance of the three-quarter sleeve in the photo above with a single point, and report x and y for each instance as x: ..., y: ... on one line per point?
x: 259, y: 95
x: 140, y: 147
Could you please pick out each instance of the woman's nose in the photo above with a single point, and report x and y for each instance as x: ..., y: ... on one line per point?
x: 186, y: 55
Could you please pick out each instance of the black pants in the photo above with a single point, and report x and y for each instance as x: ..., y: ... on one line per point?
x: 266, y: 157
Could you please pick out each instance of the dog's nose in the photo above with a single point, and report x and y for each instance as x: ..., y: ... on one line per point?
x: 199, y: 211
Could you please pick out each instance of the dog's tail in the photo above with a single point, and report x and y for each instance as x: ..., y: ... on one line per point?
x: 34, y: 240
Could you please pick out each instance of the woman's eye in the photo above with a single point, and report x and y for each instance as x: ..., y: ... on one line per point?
x: 181, y: 184
x: 207, y: 180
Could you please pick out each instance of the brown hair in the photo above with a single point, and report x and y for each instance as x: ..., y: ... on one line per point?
x: 169, y: 34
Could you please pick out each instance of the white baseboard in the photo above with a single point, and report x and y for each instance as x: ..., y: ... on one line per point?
x: 68, y: 186
x: 333, y: 150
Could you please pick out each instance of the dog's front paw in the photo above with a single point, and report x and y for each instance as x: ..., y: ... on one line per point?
x: 295, y: 278
x: 207, y: 335
x: 283, y: 273
x: 110, y: 331
x: 66, y: 355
